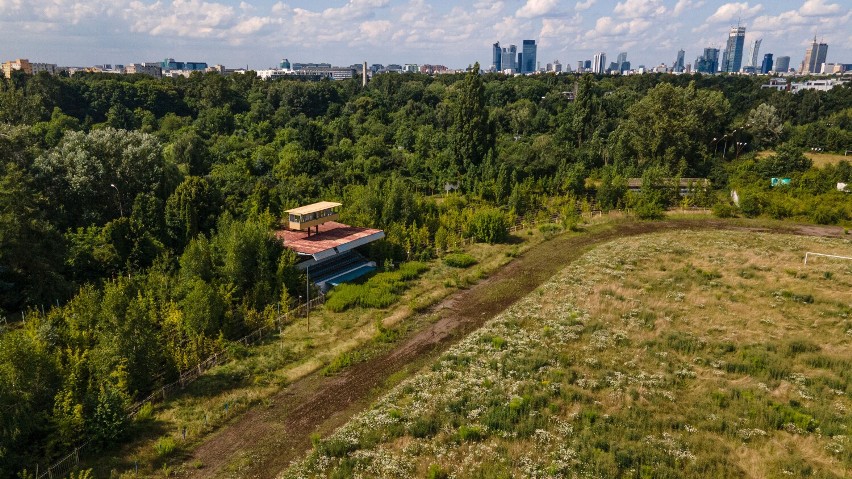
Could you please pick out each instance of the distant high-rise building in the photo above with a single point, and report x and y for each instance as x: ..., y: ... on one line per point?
x: 496, y: 57
x: 587, y: 64
x: 766, y: 66
x: 555, y: 67
x: 709, y: 62
x: 580, y: 66
x: 620, y: 60
x: 508, y: 59
x: 528, y: 61
x: 285, y: 64
x: 814, y: 57
x: 732, y: 59
x: 755, y: 51
x: 782, y: 64
x: 600, y: 63
x: 678, y: 63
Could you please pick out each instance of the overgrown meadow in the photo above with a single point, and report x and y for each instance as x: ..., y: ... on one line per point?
x: 683, y: 354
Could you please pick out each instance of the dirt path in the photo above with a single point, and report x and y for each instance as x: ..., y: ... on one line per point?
x: 263, y: 441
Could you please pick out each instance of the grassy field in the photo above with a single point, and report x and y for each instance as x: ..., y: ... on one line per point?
x: 819, y: 159
x: 304, y: 346
x: 678, y: 354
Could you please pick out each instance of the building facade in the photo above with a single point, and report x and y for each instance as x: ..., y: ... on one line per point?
x: 814, y: 57
x: 21, y: 64
x: 144, y: 69
x: 766, y: 66
x: 599, y: 66
x: 509, y: 59
x: 678, y: 63
x: 732, y: 59
x: 709, y: 62
x: 755, y: 51
x: 528, y: 61
x: 496, y: 57
x: 782, y: 64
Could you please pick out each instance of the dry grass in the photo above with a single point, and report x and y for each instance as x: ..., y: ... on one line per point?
x: 819, y: 159
x: 682, y: 354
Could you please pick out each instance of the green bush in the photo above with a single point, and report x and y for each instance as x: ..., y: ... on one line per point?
x: 489, y: 226
x: 165, y: 446
x: 459, y: 260
x: 470, y: 433
x: 380, y: 291
x: 436, y: 472
x: 750, y: 204
x: 724, y: 209
x: 549, y: 230
x: 341, y: 362
x: 145, y: 413
x: 424, y: 427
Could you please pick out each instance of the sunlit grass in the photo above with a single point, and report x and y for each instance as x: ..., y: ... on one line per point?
x: 684, y: 354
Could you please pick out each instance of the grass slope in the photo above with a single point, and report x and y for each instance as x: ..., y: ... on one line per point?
x: 680, y: 354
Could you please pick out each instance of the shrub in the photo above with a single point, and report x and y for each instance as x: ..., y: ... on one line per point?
x: 145, y: 413
x: 424, y: 427
x: 724, y: 209
x: 436, y: 472
x: 489, y: 226
x: 470, y: 433
x: 380, y: 291
x: 750, y: 204
x: 340, y: 362
x: 459, y: 260
x: 549, y: 230
x: 165, y: 446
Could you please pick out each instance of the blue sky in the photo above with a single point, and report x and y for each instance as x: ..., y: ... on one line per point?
x: 258, y: 33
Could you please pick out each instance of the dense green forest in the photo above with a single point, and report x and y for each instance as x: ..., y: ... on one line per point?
x: 135, y: 213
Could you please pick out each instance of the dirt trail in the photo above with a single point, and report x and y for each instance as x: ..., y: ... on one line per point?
x: 263, y: 441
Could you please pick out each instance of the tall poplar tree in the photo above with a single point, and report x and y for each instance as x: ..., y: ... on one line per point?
x: 471, y: 138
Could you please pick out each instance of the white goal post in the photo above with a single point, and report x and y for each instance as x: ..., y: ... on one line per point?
x: 810, y: 253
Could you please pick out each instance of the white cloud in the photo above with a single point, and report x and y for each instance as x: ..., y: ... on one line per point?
x: 536, y: 8
x: 683, y: 5
x: 734, y: 11
x: 818, y: 8
x: 280, y: 8
x: 184, y: 18
x: 584, y: 5
x: 375, y: 29
x: 640, y: 8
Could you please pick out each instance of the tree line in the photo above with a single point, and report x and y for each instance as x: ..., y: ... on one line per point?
x: 135, y: 213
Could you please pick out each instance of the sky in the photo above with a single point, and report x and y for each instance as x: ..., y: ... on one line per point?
x: 259, y: 33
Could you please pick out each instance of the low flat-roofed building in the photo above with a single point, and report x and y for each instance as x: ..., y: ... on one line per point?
x: 329, y: 255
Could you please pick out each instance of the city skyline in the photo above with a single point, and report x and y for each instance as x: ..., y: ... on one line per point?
x: 258, y: 33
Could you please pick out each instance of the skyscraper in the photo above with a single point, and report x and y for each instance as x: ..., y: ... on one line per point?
x: 782, y: 64
x: 814, y: 57
x: 620, y: 61
x: 766, y: 66
x: 528, y: 64
x: 509, y: 59
x: 599, y: 66
x: 678, y: 63
x: 709, y: 62
x: 496, y: 57
x: 755, y: 50
x: 733, y: 57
